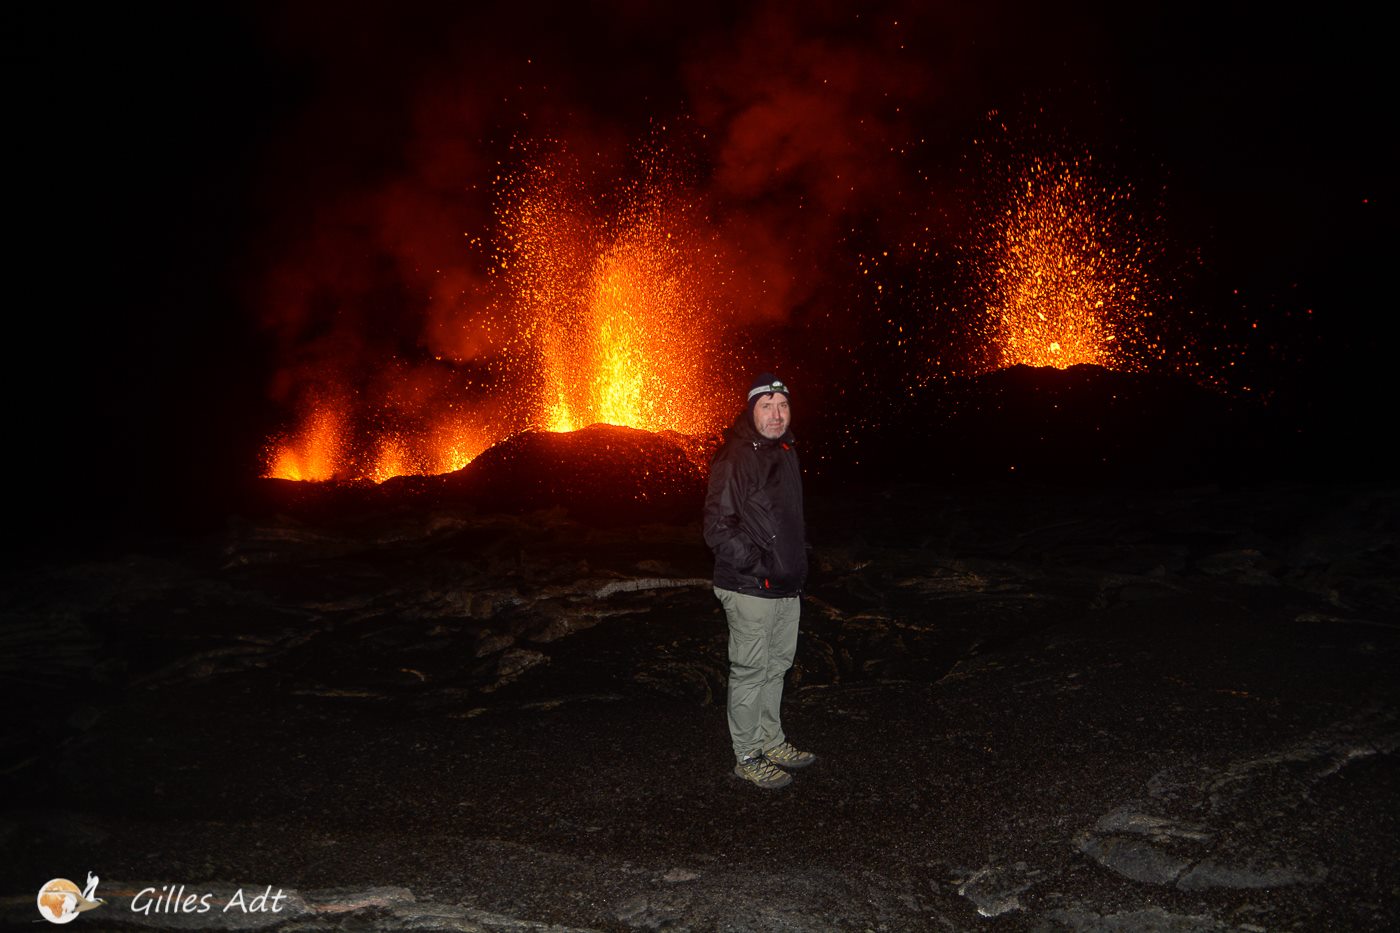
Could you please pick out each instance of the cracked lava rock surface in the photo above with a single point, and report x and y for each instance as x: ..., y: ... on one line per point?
x: 1035, y: 709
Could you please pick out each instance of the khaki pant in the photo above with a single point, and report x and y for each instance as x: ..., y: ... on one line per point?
x: 762, y: 643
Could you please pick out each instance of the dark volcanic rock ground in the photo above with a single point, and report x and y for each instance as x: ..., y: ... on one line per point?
x: 1037, y: 709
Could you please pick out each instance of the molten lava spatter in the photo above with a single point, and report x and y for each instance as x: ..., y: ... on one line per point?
x: 314, y: 452
x: 1048, y: 261
x: 616, y: 307
x: 604, y: 310
x: 1063, y: 276
x: 328, y: 445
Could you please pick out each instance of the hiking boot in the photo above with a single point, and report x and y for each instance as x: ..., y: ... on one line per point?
x: 757, y: 771
x: 785, y: 756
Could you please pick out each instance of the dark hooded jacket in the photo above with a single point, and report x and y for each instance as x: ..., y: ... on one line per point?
x: 753, y: 513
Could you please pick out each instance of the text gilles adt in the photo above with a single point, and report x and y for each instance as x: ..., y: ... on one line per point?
x: 172, y: 899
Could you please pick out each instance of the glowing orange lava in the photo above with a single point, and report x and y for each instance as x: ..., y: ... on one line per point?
x: 618, y: 311
x: 314, y: 452
x: 326, y: 447
x: 608, y: 314
x: 1065, y: 279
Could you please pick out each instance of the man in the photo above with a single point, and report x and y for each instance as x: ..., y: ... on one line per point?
x: 754, y: 525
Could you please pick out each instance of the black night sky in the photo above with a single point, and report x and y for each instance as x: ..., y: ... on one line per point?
x: 177, y: 162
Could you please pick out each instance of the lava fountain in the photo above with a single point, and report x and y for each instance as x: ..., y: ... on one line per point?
x: 1064, y: 272
x: 605, y: 308
x: 617, y: 308
x: 313, y: 452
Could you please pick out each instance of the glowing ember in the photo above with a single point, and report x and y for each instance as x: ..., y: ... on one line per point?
x: 455, y: 442
x: 1048, y: 262
x: 605, y: 312
x: 314, y: 453
x: 1064, y: 274
x: 392, y: 460
x: 617, y: 311
x: 325, y: 447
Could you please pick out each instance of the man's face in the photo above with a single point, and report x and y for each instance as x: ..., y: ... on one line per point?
x: 771, y: 415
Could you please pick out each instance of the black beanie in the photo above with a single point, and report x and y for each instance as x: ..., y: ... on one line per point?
x: 766, y: 384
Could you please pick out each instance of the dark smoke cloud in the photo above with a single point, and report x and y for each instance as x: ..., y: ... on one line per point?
x: 814, y: 135
x: 809, y: 117
x: 807, y: 106
x: 295, y: 196
x: 380, y: 200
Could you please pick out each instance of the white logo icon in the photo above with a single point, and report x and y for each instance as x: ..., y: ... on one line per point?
x: 60, y: 901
